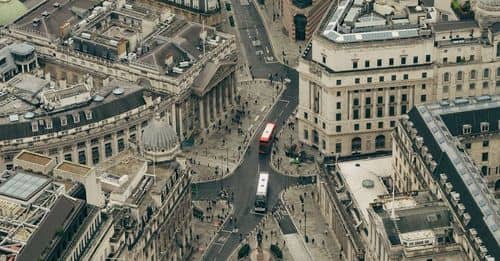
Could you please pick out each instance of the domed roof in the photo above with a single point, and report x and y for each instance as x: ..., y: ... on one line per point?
x: 10, y: 10
x: 158, y: 136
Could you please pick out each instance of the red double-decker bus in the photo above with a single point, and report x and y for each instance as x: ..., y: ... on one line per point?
x: 267, y: 137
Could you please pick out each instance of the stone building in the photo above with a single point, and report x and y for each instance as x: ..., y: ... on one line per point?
x: 413, y: 227
x: 185, y: 69
x: 445, y: 147
x: 301, y: 17
x: 361, y: 71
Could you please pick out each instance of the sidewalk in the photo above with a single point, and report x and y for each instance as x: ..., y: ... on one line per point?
x: 282, y: 163
x: 280, y: 42
x: 271, y: 234
x: 205, y: 228
x: 222, y: 148
x: 322, y: 243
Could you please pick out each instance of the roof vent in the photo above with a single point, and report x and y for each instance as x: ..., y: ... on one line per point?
x: 56, y: 5
x: 483, y: 98
x: 98, y: 98
x: 118, y: 91
x: 461, y: 101
x: 444, y: 103
x: 45, y: 14
x: 29, y: 115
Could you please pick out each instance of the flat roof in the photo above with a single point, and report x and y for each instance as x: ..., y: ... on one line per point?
x: 75, y: 168
x: 23, y: 185
x: 34, y: 157
x: 369, y: 169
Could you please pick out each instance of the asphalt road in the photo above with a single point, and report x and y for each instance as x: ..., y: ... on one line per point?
x: 254, y: 40
x: 243, y: 183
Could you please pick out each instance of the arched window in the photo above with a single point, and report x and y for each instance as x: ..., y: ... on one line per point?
x: 315, y: 136
x: 473, y: 74
x: 356, y: 144
x: 446, y: 77
x: 486, y: 73
x: 460, y: 75
x: 380, y: 142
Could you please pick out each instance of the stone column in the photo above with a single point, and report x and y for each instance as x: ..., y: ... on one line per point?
x: 202, y: 113
x: 114, y: 143
x: 214, y: 102
x: 181, y: 127
x: 226, y: 95
x: 172, y: 115
x: 219, y: 98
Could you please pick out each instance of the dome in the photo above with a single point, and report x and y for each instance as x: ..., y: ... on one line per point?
x: 159, y: 136
x: 10, y: 10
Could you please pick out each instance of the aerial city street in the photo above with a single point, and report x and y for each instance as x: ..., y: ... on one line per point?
x: 213, y: 130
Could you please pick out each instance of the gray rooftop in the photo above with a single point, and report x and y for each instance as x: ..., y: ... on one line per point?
x: 23, y: 185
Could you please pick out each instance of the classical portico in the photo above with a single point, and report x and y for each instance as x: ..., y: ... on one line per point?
x: 214, y: 93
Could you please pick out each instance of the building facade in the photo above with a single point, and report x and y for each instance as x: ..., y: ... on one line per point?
x: 430, y: 151
x: 359, y: 74
x: 301, y: 17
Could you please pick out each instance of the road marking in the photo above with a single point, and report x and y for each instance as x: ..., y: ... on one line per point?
x: 285, y: 101
x: 263, y: 108
x: 281, y: 112
x: 257, y: 118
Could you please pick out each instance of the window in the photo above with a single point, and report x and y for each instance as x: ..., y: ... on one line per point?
x: 368, y: 113
x: 339, y: 94
x: 380, y: 142
x: 306, y: 134
x: 486, y: 143
x: 338, y: 128
x: 424, y: 86
x: 472, y: 86
x: 67, y: 157
x: 355, y: 114
x: 356, y: 80
x: 446, y: 77
x: 356, y: 144
x: 486, y: 73
x: 405, y: 76
x: 367, y: 64
x: 473, y: 74
x: 323, y: 144
x: 459, y: 87
x: 368, y: 100
x: 392, y: 124
x: 392, y: 98
x: 424, y: 75
x: 445, y: 60
x: 393, y: 77
x: 485, y: 126
x: 428, y: 58
x: 380, y: 124
x: 423, y: 98
x: 403, y: 109
x: 380, y: 99
x: 466, y: 129
x: 368, y: 126
x: 368, y: 79
x: 486, y: 85
x: 484, y: 156
x: 380, y: 112
x: 404, y: 97
x: 76, y: 117
x: 316, y: 120
x: 339, y: 82
x: 338, y: 116
x: 403, y: 60
x: 391, y: 61
x: 355, y: 102
x: 471, y: 57
x: 498, y: 49
x: 497, y: 83
x: 460, y: 75
x: 356, y: 127
x: 338, y: 105
x: 484, y: 170
x: 355, y: 64
x: 338, y: 147
x: 468, y: 146
x: 415, y: 59
x: 391, y: 111
x: 306, y: 115
x: 381, y: 78
x: 379, y: 62
x: 64, y: 121
x: 323, y: 125
x: 324, y: 58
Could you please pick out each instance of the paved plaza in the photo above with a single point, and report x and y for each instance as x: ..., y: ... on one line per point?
x: 205, y: 226
x: 286, y: 164
x: 321, y: 244
x: 219, y: 149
